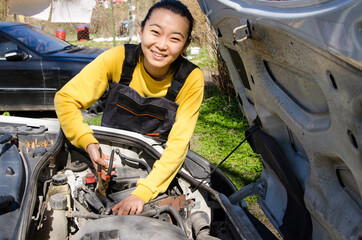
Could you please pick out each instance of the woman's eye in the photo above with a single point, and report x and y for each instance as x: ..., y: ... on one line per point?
x: 154, y: 31
x: 175, y: 39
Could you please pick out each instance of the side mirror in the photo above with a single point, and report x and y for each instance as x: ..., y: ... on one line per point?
x: 16, y: 55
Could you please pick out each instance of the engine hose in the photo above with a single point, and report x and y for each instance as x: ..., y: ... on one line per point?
x: 142, y: 162
x: 166, y: 208
x: 94, y: 201
x: 204, y: 234
x: 85, y: 215
x: 200, y: 225
x: 106, y: 203
x: 99, y: 202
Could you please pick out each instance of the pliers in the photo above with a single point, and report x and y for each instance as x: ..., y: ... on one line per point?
x: 102, y: 186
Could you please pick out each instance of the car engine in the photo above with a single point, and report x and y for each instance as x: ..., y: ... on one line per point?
x: 60, y: 194
x: 71, y: 203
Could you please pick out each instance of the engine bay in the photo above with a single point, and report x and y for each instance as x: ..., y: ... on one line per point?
x: 61, y: 198
x: 71, y: 199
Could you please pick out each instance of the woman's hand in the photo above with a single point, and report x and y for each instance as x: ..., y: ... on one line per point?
x: 129, y: 206
x: 95, y: 156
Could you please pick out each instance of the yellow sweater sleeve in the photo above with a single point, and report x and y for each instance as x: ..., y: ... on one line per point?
x: 83, y: 91
x: 164, y: 170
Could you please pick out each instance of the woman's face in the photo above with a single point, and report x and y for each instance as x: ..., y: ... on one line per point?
x: 163, y: 39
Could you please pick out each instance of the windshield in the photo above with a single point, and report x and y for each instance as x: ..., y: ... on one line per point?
x: 36, y: 39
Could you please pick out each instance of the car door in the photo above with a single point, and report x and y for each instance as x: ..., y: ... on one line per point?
x: 57, y: 71
x: 21, y: 84
x: 296, y: 68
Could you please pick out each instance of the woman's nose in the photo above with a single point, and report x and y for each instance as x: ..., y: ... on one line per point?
x: 162, y: 43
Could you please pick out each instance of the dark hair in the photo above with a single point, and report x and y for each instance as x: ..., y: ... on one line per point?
x: 175, y: 7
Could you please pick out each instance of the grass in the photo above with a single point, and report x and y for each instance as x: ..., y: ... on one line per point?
x: 94, y: 120
x: 203, y: 60
x: 220, y: 128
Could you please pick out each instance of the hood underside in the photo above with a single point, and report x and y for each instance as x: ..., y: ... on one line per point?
x: 296, y: 69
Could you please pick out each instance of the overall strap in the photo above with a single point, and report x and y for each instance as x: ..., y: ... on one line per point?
x: 131, y: 56
x: 185, y: 67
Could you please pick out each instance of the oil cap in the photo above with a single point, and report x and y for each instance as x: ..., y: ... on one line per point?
x: 90, y: 178
x: 59, y: 179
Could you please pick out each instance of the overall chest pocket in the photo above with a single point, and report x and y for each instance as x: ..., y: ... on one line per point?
x: 128, y: 110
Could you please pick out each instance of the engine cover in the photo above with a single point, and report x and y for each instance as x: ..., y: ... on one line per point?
x: 129, y: 227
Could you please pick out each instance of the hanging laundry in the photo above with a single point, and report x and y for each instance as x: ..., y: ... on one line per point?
x: 39, y: 9
x: 76, y: 11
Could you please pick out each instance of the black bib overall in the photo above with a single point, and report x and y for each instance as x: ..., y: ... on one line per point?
x: 153, y: 116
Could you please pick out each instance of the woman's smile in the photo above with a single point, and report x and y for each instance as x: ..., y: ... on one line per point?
x: 159, y: 55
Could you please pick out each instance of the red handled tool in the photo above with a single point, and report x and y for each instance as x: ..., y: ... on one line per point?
x: 102, y: 187
x: 108, y: 176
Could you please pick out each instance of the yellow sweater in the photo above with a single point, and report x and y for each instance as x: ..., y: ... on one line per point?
x: 87, y: 87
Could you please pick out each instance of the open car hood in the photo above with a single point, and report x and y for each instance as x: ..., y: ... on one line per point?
x: 296, y: 69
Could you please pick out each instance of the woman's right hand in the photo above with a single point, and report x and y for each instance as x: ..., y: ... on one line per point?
x: 95, y: 156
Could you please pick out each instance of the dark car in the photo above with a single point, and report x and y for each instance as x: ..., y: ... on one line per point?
x: 34, y: 65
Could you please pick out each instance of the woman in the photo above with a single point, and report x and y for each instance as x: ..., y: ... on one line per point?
x: 165, y: 35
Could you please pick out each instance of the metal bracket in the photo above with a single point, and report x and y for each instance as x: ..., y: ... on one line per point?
x: 258, y: 187
x: 245, y: 27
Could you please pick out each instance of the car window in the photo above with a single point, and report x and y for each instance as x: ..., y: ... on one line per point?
x: 36, y: 39
x: 6, y: 46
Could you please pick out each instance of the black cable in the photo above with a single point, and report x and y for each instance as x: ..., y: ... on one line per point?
x: 208, y: 175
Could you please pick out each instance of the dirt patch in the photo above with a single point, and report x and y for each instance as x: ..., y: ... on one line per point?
x: 257, y: 212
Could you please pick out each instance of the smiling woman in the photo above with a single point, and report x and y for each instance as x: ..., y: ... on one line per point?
x: 153, y: 90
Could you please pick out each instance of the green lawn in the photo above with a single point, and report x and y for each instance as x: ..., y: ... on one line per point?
x: 220, y: 128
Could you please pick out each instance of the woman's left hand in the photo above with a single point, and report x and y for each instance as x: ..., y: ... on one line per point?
x: 129, y: 206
